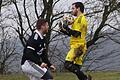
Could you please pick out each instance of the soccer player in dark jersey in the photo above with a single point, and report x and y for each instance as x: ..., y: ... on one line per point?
x: 35, y: 61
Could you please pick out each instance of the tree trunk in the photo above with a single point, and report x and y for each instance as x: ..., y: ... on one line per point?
x: 2, y: 68
x: 0, y: 6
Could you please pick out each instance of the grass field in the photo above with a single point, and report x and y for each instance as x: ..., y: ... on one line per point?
x: 69, y: 76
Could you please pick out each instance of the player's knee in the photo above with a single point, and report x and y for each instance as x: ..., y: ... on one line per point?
x: 71, y: 67
x: 68, y: 65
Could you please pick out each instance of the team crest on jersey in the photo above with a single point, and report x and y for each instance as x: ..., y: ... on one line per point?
x: 79, y: 20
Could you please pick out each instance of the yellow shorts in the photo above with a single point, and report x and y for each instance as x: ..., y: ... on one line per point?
x: 71, y: 56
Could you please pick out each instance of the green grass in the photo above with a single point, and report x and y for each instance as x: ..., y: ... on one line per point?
x: 68, y: 76
x: 106, y: 75
x: 13, y: 77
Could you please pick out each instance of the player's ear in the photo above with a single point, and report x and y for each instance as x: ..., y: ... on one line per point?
x: 78, y: 9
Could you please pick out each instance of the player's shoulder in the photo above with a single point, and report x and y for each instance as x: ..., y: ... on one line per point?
x: 81, y: 18
x: 84, y: 20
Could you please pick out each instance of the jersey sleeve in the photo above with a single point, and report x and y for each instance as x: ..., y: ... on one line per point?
x: 74, y: 33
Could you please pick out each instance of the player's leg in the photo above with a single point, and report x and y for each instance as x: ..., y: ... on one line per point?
x: 71, y: 55
x: 79, y: 61
x: 31, y: 77
x: 69, y: 64
x: 75, y: 69
x: 47, y: 76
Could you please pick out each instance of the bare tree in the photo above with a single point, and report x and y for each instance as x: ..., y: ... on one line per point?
x: 100, y: 14
x: 8, y: 41
x: 108, y: 8
x: 46, y: 13
x: 0, y: 5
x: 8, y: 53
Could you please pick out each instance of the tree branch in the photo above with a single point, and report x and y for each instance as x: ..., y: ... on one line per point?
x: 96, y: 35
x: 35, y: 6
x: 28, y: 21
x: 0, y: 6
x: 112, y: 27
x: 20, y: 32
x: 44, y: 10
x: 55, y: 3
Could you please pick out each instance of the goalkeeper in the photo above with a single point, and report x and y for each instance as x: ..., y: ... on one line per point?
x: 77, y: 33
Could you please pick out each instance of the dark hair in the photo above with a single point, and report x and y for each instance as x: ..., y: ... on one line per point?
x: 40, y: 22
x: 79, y: 5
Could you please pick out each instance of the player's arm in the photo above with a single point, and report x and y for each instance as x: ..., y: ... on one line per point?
x: 67, y: 31
x: 44, y: 57
x: 44, y: 54
x: 63, y: 30
x: 71, y: 32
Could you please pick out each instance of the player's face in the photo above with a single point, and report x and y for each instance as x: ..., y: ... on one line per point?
x: 74, y: 10
x: 46, y: 26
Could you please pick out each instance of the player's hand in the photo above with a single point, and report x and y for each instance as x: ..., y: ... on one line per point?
x: 43, y: 65
x: 68, y: 19
x: 61, y: 27
x: 70, y: 22
x: 52, y: 67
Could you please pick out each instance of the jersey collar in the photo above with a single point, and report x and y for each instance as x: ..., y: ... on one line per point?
x: 39, y: 34
x: 81, y: 14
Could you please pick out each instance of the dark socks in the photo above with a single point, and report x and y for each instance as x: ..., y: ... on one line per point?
x: 75, y: 69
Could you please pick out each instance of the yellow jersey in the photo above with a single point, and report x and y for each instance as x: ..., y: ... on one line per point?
x: 80, y: 24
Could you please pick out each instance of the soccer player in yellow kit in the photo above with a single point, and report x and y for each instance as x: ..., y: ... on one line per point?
x: 77, y: 33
